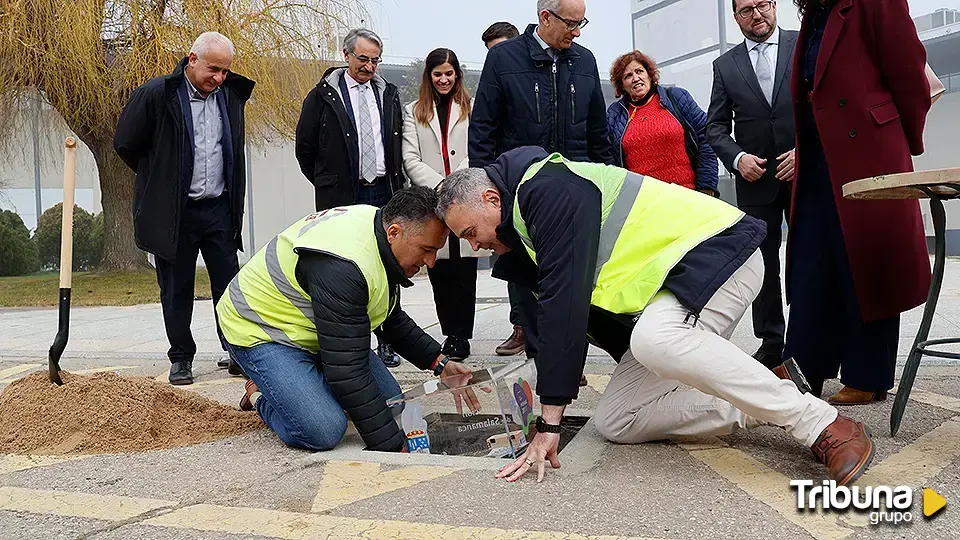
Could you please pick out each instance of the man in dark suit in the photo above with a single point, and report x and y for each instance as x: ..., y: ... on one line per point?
x: 751, y: 88
x: 539, y: 89
x: 186, y: 129
x: 350, y: 133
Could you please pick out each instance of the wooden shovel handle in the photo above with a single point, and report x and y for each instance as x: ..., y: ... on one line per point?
x: 66, y: 237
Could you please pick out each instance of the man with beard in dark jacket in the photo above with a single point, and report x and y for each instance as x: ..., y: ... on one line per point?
x: 539, y: 89
x: 183, y: 135
x: 298, y: 319
x: 350, y: 134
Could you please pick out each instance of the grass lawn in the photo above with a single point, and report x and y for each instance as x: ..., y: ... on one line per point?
x: 89, y: 289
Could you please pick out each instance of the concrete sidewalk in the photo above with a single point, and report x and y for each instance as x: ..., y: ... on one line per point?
x: 252, y: 486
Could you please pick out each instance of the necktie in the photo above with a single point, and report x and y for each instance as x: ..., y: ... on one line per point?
x: 765, y: 72
x: 368, y: 151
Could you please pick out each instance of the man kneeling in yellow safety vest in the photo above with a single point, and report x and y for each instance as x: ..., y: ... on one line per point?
x: 676, y: 269
x: 298, y: 319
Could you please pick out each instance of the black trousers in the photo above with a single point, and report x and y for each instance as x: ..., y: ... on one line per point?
x: 454, y: 283
x: 206, y: 228
x: 527, y: 308
x: 513, y: 292
x: 768, y: 319
x: 826, y: 332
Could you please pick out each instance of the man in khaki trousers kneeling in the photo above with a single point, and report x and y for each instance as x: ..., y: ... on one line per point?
x: 677, y: 267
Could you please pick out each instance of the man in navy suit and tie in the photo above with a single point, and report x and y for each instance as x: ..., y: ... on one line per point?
x: 751, y: 90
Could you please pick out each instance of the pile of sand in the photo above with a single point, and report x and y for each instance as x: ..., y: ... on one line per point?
x: 106, y: 413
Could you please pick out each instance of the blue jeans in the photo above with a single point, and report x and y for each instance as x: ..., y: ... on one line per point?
x: 296, y: 401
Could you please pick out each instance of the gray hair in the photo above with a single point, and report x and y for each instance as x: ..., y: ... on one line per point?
x: 350, y: 41
x: 461, y: 186
x: 547, y: 5
x: 208, y: 40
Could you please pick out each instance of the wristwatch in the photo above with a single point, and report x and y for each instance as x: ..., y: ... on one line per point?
x: 543, y: 427
x: 440, y: 365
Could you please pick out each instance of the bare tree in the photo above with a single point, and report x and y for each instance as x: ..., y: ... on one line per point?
x: 85, y: 57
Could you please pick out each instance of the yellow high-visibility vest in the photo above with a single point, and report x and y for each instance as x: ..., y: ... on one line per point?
x: 647, y: 226
x: 264, y: 303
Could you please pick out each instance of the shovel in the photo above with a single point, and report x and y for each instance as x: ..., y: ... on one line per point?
x: 66, y: 259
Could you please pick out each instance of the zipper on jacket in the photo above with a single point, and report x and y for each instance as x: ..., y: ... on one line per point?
x: 557, y: 141
x: 623, y: 153
x: 573, y: 103
x: 536, y: 90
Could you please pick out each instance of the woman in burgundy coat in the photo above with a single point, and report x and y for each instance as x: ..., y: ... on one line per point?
x: 860, y: 102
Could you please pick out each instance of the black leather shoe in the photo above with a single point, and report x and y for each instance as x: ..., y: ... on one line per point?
x: 456, y: 348
x: 181, y: 372
x: 768, y: 359
x: 234, y: 369
x: 386, y: 354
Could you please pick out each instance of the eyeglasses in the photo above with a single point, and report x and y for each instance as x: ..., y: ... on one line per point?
x: 761, y: 7
x: 366, y: 59
x: 571, y: 25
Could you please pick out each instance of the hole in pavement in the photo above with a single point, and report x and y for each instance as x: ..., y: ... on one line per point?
x: 483, y: 435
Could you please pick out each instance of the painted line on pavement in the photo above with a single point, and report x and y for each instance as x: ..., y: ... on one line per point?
x: 949, y: 403
x: 84, y: 505
x: 765, y: 485
x: 15, y: 462
x: 597, y: 382
x: 215, y: 382
x: 345, y: 482
x: 100, y: 369
x: 919, y: 461
x: 255, y: 521
x: 291, y: 525
x: 16, y: 370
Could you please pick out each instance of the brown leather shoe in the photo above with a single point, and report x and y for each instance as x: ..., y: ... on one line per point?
x: 789, y: 371
x: 514, y: 344
x: 249, y: 389
x: 845, y: 448
x: 851, y: 396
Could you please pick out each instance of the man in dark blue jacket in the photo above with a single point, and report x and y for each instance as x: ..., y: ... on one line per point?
x: 540, y: 89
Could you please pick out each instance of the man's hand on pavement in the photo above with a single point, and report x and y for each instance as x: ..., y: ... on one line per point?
x: 751, y: 167
x: 543, y: 447
x: 786, y: 169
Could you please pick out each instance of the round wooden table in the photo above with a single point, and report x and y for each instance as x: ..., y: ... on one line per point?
x: 937, y: 185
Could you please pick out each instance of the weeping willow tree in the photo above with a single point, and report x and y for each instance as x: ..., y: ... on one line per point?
x: 85, y: 57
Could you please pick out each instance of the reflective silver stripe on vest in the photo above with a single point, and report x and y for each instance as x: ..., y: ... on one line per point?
x: 323, y: 216
x: 613, y: 226
x: 245, y: 311
x: 526, y: 241
x: 283, y: 285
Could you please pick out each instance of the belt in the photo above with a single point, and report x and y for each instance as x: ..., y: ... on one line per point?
x: 375, y: 181
x: 208, y: 200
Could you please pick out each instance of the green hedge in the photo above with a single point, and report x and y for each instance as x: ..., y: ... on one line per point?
x: 18, y: 254
x: 87, y: 238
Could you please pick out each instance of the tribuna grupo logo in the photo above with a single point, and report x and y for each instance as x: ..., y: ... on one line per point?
x: 885, y: 504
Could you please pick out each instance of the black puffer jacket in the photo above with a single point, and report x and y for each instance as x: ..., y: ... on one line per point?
x: 339, y: 294
x: 524, y: 99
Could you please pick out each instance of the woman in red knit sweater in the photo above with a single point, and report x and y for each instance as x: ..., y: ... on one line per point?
x: 659, y: 131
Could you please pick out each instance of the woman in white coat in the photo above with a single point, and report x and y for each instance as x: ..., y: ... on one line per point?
x: 435, y: 145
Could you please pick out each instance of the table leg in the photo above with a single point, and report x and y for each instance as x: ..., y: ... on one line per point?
x: 913, y: 361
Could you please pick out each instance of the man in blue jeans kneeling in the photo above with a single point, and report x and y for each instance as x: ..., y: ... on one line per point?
x: 299, y: 314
